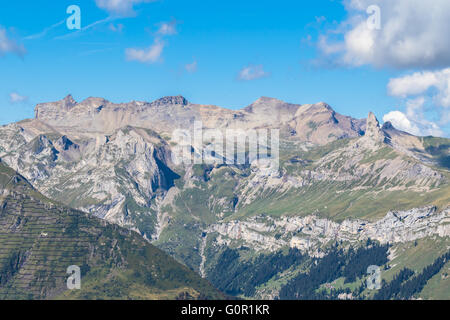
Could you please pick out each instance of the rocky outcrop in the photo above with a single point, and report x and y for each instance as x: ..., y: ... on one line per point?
x: 310, y: 233
x: 374, y: 135
x: 320, y: 124
x: 389, y: 135
x: 100, y: 175
x: 54, y: 110
x: 317, y: 123
x: 178, y: 100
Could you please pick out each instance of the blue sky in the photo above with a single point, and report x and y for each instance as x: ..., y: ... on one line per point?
x: 227, y: 53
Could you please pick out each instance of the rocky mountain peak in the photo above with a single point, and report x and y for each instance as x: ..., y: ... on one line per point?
x: 267, y: 104
x: 323, y: 105
x: 68, y: 102
x: 171, y: 100
x: 65, y: 143
x: 388, y: 126
x: 373, y: 131
x: 94, y: 101
x: 389, y: 129
x: 372, y: 120
x: 320, y: 107
x: 267, y: 100
x: 54, y: 109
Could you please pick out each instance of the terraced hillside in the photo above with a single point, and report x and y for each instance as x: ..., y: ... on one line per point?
x: 40, y: 239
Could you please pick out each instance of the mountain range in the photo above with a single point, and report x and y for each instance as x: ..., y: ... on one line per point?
x: 40, y: 239
x: 344, y: 187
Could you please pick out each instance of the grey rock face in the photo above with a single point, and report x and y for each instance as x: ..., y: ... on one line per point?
x: 374, y: 135
x: 316, y: 123
x: 178, y: 100
x: 310, y: 233
x: 97, y: 175
x: 55, y: 110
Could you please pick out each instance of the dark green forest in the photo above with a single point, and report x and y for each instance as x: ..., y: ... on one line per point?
x: 235, y: 276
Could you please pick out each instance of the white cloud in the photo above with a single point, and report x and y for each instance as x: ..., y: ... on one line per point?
x: 149, y: 55
x: 418, y: 90
x: 401, y: 122
x: 119, y: 7
x: 430, y: 85
x: 10, y: 46
x: 412, y: 35
x: 154, y: 52
x: 14, y: 97
x: 414, y: 107
x: 252, y: 72
x: 414, y: 84
x: 191, y: 67
x: 167, y: 28
x: 329, y: 48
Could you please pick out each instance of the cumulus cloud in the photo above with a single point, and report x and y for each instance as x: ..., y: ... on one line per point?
x: 401, y: 122
x: 414, y: 120
x: 14, y: 98
x: 416, y: 83
x: 411, y: 35
x: 419, y: 89
x: 252, y: 72
x: 10, y: 46
x: 430, y: 85
x: 435, y: 84
x: 149, y: 55
x: 120, y: 7
x: 154, y: 52
x: 423, y: 128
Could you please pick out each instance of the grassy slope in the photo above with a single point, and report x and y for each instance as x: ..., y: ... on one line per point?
x: 210, y: 198
x: 366, y: 197
x: 338, y: 201
x: 38, y: 242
